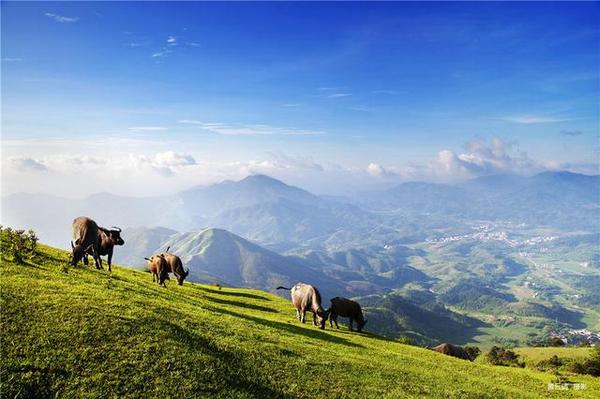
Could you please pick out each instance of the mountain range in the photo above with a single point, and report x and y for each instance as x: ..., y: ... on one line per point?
x: 512, y: 242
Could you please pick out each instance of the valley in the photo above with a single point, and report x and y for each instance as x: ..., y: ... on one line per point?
x: 466, y: 263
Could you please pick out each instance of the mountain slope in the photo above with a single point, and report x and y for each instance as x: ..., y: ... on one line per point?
x: 216, y: 255
x: 120, y: 335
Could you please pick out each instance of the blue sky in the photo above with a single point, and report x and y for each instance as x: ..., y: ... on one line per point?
x: 324, y: 95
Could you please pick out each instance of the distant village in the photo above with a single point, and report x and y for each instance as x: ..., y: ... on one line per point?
x: 577, y: 337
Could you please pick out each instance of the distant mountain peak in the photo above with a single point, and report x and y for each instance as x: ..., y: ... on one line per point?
x: 262, y: 179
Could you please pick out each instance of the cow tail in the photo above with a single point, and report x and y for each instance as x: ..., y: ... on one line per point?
x: 283, y: 288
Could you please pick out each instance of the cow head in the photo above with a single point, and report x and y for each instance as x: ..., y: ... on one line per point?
x: 181, y: 277
x: 322, y: 316
x: 361, y: 324
x: 115, y: 235
x: 78, y: 251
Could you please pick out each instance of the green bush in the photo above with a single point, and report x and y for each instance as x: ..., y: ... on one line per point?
x: 555, y: 342
x: 503, y: 357
x: 590, y: 365
x: 18, y: 245
x: 472, y: 351
x: 552, y: 363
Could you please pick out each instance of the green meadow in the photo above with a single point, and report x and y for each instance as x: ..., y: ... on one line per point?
x: 80, y: 332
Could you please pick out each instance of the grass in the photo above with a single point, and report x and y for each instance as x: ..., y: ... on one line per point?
x: 88, y: 333
x: 534, y: 355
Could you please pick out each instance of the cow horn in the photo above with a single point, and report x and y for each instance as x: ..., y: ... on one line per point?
x: 72, y: 246
x: 169, y: 247
x: 147, y: 259
x: 116, y: 228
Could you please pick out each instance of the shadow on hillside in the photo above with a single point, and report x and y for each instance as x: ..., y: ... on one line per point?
x: 238, y: 294
x: 234, y: 374
x: 293, y: 329
x: 241, y: 304
x: 38, y: 382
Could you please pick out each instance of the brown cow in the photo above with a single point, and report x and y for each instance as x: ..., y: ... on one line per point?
x: 451, y: 350
x: 305, y: 298
x: 346, y: 308
x: 107, y: 239
x: 175, y: 266
x: 85, y: 239
x: 159, y: 269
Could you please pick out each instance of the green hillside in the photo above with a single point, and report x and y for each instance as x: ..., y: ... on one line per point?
x: 88, y: 333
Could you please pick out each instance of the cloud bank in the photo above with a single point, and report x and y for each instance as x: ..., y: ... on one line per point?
x: 156, y: 173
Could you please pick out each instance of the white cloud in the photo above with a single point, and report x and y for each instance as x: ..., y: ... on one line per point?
x: 172, y: 41
x: 60, y: 18
x: 25, y: 164
x: 376, y: 170
x: 228, y: 129
x: 533, y: 119
x: 339, y: 95
x: 483, y: 158
x: 571, y: 132
x: 147, y: 128
x: 165, y: 163
x: 12, y: 59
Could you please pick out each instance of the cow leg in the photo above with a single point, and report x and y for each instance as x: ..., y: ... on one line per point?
x: 154, y: 276
x: 350, y: 324
x: 335, y: 321
x: 98, y: 262
x: 298, y: 315
x: 314, y: 318
x: 110, y: 253
x: 303, y: 316
x: 331, y: 316
x: 85, y: 259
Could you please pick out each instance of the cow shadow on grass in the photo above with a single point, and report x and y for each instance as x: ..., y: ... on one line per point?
x: 240, y: 304
x: 293, y: 328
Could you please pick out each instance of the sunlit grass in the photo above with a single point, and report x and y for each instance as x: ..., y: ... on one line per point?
x: 88, y: 333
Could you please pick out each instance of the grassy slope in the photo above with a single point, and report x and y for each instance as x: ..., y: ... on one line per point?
x: 87, y: 333
x: 534, y: 355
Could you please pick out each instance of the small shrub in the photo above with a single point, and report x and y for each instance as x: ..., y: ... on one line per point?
x: 550, y: 364
x: 33, y: 240
x: 472, y: 351
x: 18, y: 244
x: 590, y: 365
x: 555, y: 342
x: 503, y: 357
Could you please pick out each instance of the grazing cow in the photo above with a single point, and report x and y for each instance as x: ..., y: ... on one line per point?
x: 451, y: 350
x: 346, y: 308
x: 159, y: 269
x: 85, y: 240
x: 175, y: 266
x: 107, y: 239
x: 305, y: 298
